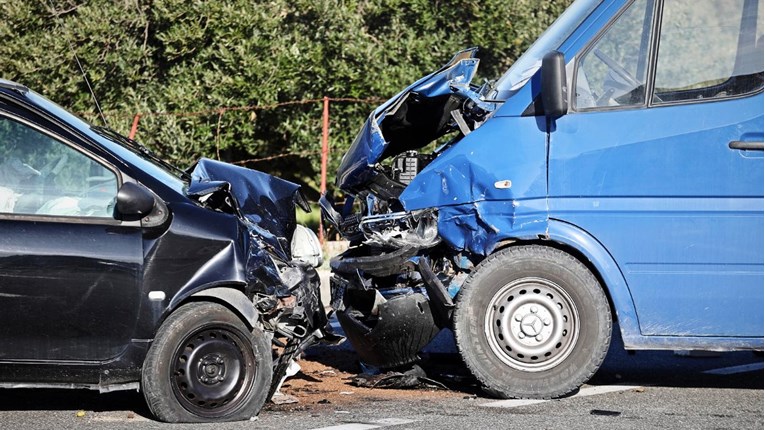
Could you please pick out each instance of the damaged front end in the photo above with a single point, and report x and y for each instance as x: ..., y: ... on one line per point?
x: 278, y: 255
x: 394, y: 288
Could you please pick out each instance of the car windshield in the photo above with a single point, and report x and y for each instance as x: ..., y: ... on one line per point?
x: 551, y: 39
x: 142, y: 151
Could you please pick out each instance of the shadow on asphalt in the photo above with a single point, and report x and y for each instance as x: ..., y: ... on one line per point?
x: 651, y: 368
x: 667, y: 369
x: 32, y: 399
x: 648, y: 368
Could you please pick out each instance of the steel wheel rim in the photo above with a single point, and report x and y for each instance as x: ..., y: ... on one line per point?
x: 531, y: 324
x: 212, y: 371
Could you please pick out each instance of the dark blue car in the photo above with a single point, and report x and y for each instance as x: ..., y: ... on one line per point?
x: 613, y: 174
x: 119, y: 271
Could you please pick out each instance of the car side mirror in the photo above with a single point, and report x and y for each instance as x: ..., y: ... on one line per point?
x: 134, y: 200
x: 554, y: 85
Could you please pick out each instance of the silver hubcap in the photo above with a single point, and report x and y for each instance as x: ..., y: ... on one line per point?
x: 532, y: 324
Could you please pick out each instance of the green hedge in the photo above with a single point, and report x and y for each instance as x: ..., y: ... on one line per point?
x: 196, y: 56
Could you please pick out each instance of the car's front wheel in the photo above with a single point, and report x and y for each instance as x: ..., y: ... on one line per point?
x: 532, y: 322
x: 206, y: 365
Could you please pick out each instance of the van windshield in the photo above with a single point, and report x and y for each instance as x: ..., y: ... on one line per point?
x: 551, y: 39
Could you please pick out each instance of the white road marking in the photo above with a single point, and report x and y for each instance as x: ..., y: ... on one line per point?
x: 735, y: 369
x: 513, y: 403
x: 374, y: 424
x: 584, y: 392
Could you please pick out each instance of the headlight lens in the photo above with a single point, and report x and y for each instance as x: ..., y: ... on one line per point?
x: 306, y: 247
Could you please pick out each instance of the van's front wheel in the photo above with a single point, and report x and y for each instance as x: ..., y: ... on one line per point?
x: 532, y: 322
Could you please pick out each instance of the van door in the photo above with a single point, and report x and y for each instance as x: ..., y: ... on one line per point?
x: 661, y: 160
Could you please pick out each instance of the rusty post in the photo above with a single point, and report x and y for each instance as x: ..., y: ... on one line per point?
x: 324, y: 156
x: 134, y: 128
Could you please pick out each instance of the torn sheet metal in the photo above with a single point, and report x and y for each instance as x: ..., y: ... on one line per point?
x: 266, y: 205
x: 286, y: 290
x: 410, y: 120
x: 413, y: 378
x: 420, y: 222
x: 263, y: 199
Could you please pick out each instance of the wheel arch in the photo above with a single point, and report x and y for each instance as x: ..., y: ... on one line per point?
x: 230, y: 295
x: 581, y: 245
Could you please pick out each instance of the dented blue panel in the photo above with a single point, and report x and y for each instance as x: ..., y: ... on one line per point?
x: 478, y: 227
x: 488, y: 186
x: 502, y: 160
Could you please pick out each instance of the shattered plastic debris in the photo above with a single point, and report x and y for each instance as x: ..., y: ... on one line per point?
x: 402, y: 229
x: 414, y: 378
x: 280, y: 398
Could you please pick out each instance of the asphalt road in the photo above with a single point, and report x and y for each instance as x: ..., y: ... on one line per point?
x: 645, y: 390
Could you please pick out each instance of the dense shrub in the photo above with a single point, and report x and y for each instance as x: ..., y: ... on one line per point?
x: 195, y: 56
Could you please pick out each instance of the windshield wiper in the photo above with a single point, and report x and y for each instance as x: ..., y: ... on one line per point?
x: 148, y: 153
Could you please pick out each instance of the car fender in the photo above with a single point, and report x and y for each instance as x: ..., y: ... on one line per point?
x: 235, y: 299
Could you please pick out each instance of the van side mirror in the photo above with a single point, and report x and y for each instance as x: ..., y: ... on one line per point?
x: 134, y: 200
x: 554, y: 85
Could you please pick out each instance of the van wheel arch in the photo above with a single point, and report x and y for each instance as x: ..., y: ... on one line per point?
x: 570, y: 250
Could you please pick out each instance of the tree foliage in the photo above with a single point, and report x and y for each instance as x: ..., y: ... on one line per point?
x: 193, y: 56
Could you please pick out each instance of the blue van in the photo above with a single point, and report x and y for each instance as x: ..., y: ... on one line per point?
x: 614, y: 174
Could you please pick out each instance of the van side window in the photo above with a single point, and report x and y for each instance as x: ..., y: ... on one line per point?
x: 613, y: 71
x: 709, y: 49
x: 40, y: 175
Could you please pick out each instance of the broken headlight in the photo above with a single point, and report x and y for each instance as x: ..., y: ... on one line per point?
x: 305, y: 246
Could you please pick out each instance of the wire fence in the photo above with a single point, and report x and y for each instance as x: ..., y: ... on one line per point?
x: 220, y: 111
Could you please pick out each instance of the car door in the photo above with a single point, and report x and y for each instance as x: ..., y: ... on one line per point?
x: 69, y: 271
x: 661, y: 160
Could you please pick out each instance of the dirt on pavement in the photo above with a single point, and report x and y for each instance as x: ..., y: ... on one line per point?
x: 326, y: 375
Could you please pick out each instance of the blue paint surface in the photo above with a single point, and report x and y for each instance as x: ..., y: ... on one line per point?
x: 651, y: 197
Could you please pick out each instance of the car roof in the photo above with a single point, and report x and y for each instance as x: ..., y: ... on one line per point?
x: 14, y: 86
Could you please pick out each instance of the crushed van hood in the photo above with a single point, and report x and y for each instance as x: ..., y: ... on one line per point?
x: 416, y: 116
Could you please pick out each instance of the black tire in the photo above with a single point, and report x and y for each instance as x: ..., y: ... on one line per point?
x: 206, y: 365
x: 532, y: 322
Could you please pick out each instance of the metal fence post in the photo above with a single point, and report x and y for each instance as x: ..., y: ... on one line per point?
x: 324, y: 156
x: 134, y: 128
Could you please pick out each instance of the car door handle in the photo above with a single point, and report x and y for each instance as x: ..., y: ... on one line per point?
x: 740, y: 144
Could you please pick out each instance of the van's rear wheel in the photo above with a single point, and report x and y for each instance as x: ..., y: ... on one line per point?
x: 206, y: 365
x: 532, y: 322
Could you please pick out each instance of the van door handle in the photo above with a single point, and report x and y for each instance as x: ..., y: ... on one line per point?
x: 740, y: 144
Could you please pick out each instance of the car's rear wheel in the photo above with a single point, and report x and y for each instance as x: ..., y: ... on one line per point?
x: 532, y: 322
x: 206, y: 365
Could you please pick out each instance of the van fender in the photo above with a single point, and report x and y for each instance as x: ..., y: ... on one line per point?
x: 605, y: 266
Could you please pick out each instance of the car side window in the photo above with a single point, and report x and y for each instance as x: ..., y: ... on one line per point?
x: 709, y: 50
x: 40, y: 175
x: 612, y: 72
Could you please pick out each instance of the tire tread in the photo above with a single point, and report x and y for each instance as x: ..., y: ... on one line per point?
x: 465, y: 340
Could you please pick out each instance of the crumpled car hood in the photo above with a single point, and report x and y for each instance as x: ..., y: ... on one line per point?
x: 410, y: 120
x: 267, y: 202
